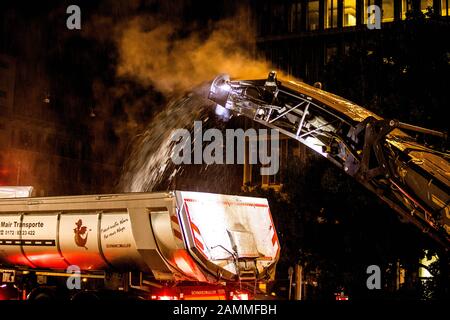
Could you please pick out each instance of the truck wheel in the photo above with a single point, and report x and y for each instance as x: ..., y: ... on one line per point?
x: 85, y: 296
x: 39, y: 294
x: 9, y: 292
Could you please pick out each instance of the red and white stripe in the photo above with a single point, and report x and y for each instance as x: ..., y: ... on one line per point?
x: 196, y: 234
x: 176, y: 229
x: 273, y: 235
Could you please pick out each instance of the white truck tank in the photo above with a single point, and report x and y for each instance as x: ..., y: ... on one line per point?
x: 175, y: 235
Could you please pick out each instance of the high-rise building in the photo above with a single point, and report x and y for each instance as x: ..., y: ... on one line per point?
x: 300, y: 36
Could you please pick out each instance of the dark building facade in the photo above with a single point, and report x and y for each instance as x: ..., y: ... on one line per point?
x: 38, y: 149
x: 300, y: 36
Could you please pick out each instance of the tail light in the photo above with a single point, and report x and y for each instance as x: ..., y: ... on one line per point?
x: 164, y: 297
x: 239, y: 296
x: 341, y: 296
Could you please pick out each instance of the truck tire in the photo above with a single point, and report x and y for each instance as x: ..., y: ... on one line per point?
x: 85, y: 296
x: 41, y: 294
x: 9, y: 292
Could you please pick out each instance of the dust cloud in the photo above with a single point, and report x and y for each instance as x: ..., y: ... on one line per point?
x: 172, y: 61
x: 159, y: 56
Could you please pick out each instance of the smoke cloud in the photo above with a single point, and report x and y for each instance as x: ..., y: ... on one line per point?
x: 173, y: 61
x: 155, y: 53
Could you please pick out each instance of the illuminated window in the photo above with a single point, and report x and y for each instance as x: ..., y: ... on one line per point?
x: 424, y: 272
x: 313, y: 15
x: 275, y: 180
x: 387, y: 7
x: 425, y: 4
x: 387, y: 10
x: 406, y: 7
x: 367, y: 4
x: 349, y: 13
x: 331, y: 11
x: 444, y: 6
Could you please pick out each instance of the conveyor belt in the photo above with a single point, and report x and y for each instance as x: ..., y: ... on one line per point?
x: 410, y: 177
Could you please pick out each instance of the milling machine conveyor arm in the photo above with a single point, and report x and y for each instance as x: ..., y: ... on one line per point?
x: 410, y: 177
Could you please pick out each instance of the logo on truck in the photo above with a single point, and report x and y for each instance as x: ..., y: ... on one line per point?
x: 81, y: 234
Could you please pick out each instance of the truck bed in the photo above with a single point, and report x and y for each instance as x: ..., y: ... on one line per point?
x: 172, y: 235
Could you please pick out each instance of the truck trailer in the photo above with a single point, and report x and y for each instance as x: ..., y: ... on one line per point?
x: 166, y: 245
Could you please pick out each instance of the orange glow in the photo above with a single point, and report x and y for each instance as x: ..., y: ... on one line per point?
x: 187, y: 265
x: 47, y: 260
x: 85, y: 260
x: 4, y: 176
x: 44, y: 257
x: 36, y: 260
x: 20, y: 260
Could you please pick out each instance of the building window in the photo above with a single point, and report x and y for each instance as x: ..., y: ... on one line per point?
x: 387, y: 7
x: 2, y: 94
x: 406, y: 7
x: 275, y: 180
x: 367, y: 4
x: 313, y: 15
x: 331, y: 13
x: 349, y: 13
x: 270, y: 180
x: 425, y: 5
x: 444, y: 8
x: 294, y: 17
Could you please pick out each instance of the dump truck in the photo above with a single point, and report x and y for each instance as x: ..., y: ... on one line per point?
x: 167, y: 245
